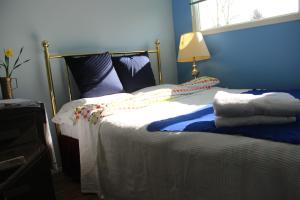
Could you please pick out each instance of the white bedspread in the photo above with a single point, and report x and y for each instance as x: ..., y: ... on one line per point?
x: 131, y: 123
x: 122, y: 159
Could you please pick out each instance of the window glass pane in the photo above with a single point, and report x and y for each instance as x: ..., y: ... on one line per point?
x: 218, y: 13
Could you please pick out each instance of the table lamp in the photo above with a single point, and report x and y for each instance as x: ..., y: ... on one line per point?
x: 192, y: 48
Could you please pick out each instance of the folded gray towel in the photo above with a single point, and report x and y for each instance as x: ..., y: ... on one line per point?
x: 270, y: 104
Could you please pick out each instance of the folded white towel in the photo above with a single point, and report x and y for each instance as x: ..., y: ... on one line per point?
x: 273, y: 104
x: 251, y: 120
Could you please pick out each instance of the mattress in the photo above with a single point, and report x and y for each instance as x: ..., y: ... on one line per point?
x: 121, y: 160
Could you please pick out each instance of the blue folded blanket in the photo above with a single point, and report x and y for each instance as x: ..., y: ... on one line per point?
x: 202, y: 120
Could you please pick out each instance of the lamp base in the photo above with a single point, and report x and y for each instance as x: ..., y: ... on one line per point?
x: 195, y: 71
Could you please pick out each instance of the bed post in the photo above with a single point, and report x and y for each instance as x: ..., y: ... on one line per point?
x: 45, y: 44
x: 160, y: 78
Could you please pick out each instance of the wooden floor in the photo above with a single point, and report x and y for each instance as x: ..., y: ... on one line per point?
x: 67, y: 189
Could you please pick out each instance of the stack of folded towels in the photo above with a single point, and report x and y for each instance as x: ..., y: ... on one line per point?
x: 248, y: 109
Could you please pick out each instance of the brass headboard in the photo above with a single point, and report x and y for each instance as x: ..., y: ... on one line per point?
x: 49, y: 56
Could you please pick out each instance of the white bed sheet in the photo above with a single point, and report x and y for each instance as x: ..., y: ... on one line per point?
x: 65, y: 114
x: 69, y: 130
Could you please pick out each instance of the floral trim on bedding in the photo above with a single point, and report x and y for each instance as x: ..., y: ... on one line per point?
x: 91, y: 112
x: 202, y: 81
x: 94, y: 112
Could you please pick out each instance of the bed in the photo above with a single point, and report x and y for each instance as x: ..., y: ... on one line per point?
x: 68, y: 141
x: 120, y: 159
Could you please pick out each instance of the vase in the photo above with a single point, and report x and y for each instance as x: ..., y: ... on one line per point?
x: 6, y: 87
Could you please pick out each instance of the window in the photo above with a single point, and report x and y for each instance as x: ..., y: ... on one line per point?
x: 236, y: 14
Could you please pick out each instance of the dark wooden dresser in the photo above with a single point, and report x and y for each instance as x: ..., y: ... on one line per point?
x: 24, y: 158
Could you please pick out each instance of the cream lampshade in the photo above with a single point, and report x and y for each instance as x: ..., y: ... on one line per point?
x: 192, y: 48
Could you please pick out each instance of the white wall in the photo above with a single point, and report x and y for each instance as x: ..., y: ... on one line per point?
x: 82, y: 25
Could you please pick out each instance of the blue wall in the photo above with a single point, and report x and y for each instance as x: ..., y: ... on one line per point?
x: 261, y: 57
x: 182, y: 24
x: 81, y: 26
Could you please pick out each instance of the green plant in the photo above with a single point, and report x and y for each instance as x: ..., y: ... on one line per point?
x: 8, y: 54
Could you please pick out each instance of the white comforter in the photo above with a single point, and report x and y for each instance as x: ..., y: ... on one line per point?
x: 122, y: 159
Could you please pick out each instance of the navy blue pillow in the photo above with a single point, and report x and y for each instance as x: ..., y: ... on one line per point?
x: 134, y: 71
x: 94, y: 75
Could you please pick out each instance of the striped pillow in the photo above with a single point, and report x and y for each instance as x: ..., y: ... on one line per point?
x: 95, y: 75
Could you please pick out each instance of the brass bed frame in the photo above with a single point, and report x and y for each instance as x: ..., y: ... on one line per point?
x: 49, y: 56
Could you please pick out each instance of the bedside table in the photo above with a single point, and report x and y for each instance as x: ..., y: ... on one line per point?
x: 24, y: 157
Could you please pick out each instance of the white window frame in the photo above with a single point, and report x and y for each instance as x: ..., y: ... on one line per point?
x: 245, y: 25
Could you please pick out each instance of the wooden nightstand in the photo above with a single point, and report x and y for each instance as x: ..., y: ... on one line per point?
x: 24, y: 157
